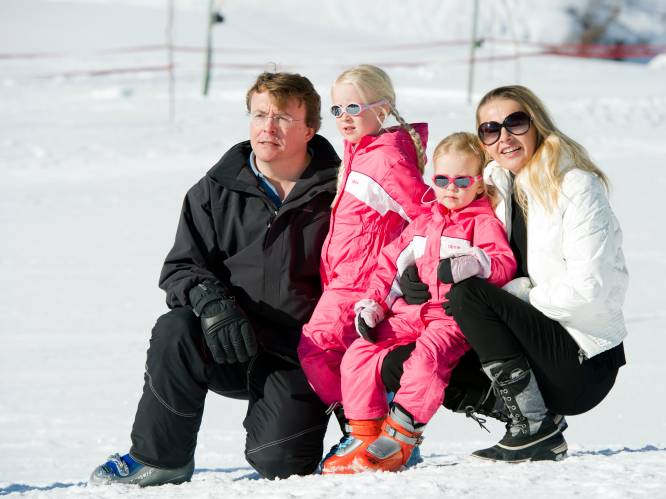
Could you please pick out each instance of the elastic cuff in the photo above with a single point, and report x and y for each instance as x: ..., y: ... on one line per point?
x: 204, y: 293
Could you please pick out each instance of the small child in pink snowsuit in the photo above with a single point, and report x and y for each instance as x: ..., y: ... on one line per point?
x: 379, y: 193
x: 458, y: 239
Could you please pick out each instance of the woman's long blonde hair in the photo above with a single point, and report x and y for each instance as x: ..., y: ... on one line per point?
x: 543, y: 174
x: 373, y: 84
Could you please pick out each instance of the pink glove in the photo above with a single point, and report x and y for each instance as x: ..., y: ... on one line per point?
x: 369, y: 313
x: 464, y: 267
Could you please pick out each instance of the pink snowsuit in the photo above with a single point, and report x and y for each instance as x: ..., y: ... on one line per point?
x: 439, y: 341
x: 380, y: 193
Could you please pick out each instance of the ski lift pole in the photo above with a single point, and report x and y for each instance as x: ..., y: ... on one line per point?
x: 169, y: 34
x: 214, y: 17
x: 472, y: 48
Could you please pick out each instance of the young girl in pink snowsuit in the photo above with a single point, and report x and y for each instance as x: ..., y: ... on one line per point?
x: 458, y: 239
x: 379, y: 192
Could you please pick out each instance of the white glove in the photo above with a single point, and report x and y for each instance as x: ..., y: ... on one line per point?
x: 369, y: 313
x: 519, y: 287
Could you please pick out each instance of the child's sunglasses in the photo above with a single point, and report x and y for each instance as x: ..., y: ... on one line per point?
x: 354, y: 109
x: 461, y: 181
x: 517, y: 123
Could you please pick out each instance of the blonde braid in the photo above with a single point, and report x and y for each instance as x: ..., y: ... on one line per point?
x: 416, y: 138
x: 338, y: 183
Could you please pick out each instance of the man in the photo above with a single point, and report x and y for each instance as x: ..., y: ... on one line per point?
x: 241, y: 280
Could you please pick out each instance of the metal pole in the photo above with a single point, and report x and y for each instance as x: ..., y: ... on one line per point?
x: 472, y: 49
x: 209, y: 47
x: 172, y: 81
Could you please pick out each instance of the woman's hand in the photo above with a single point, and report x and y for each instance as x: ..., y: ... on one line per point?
x: 519, y: 287
x: 414, y: 291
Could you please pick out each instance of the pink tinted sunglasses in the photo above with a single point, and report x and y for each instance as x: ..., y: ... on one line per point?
x: 461, y: 181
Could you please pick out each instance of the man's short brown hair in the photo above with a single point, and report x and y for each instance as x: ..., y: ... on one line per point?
x: 286, y: 86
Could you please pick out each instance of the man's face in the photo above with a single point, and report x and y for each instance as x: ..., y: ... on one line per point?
x: 278, y: 135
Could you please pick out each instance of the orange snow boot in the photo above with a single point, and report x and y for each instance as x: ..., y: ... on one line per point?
x: 399, y: 437
x: 363, y: 433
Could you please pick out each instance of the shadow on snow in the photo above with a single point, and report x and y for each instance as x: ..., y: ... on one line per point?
x: 612, y: 452
x: 22, y: 487
x: 251, y: 475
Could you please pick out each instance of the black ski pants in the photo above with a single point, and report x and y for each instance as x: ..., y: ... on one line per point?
x: 285, y: 421
x: 500, y: 326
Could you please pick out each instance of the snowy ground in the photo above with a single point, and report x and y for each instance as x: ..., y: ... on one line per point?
x: 93, y: 175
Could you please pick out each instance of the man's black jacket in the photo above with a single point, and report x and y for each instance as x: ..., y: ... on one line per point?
x: 267, y: 257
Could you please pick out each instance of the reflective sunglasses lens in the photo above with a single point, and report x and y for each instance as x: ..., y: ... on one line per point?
x: 353, y: 109
x: 441, y: 181
x: 336, y: 111
x: 517, y: 123
x: 489, y: 132
x: 462, y: 182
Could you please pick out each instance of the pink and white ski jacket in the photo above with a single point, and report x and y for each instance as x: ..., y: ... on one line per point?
x: 442, y: 233
x: 379, y: 194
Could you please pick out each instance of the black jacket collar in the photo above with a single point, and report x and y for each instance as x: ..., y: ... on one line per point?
x: 233, y: 171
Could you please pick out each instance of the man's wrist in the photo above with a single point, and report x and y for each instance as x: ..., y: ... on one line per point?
x: 205, y: 293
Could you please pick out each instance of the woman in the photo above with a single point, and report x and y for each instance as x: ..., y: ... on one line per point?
x: 551, y: 340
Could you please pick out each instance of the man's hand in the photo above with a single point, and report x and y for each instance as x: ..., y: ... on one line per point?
x: 228, y: 333
x: 414, y: 291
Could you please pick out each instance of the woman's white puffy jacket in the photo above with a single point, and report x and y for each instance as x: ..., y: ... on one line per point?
x: 574, y: 258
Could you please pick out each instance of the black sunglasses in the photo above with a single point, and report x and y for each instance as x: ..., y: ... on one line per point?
x: 517, y: 123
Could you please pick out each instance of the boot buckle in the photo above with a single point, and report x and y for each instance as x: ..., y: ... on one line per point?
x: 397, y: 435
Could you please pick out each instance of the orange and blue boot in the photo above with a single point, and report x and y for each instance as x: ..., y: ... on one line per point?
x: 345, y: 459
x: 399, y: 437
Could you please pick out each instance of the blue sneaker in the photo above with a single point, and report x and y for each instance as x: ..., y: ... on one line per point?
x: 415, y: 458
x: 128, y: 471
x: 344, y: 442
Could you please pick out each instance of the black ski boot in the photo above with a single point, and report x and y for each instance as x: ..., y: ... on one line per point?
x: 533, y: 433
x: 475, y: 403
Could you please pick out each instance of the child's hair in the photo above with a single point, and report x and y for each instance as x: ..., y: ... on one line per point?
x: 373, y: 84
x: 467, y: 143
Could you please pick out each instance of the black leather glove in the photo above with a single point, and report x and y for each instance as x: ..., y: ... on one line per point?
x: 414, y: 291
x: 228, y: 333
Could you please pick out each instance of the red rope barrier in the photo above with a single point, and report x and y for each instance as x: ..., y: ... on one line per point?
x: 616, y: 51
x: 599, y: 51
x: 106, y: 72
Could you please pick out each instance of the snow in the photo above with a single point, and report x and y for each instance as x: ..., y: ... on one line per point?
x: 93, y: 175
